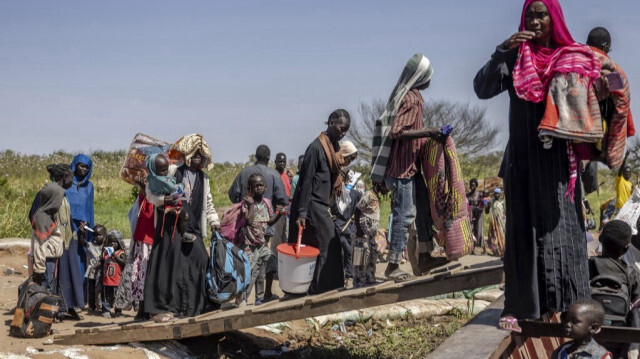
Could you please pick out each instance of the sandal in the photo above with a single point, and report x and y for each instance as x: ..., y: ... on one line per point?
x: 398, y: 275
x: 509, y: 323
x: 163, y: 318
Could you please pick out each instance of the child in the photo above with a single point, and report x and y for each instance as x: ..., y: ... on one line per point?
x: 94, y: 267
x: 583, y: 319
x: 367, y: 218
x: 259, y: 215
x: 615, y: 240
x: 161, y: 182
x: 114, y: 259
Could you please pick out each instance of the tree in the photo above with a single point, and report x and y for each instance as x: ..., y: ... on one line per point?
x: 633, y: 147
x: 472, y: 132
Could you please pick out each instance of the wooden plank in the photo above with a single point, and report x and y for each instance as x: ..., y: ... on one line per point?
x: 607, y: 334
x: 298, y: 308
x: 479, y: 336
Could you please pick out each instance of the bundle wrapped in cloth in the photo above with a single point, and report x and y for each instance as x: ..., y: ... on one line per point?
x: 448, y: 201
x: 134, y: 169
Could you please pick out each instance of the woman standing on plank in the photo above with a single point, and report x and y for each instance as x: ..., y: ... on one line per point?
x: 545, y: 260
x: 176, y: 273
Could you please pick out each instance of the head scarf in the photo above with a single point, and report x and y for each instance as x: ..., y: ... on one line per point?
x: 84, y: 159
x: 537, y: 65
x: 159, y: 185
x: 347, y: 148
x: 43, y: 221
x: 118, y: 236
x: 497, y: 190
x: 58, y: 171
x: 80, y: 195
x: 187, y: 146
x: 417, y: 72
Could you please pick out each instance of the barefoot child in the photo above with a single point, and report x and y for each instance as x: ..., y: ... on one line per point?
x: 581, y: 322
x: 259, y: 215
x: 114, y: 259
x: 94, y: 266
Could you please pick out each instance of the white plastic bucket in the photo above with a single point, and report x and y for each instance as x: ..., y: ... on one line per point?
x: 295, y: 274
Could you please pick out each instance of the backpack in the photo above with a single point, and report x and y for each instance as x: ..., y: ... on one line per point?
x: 35, y: 311
x: 614, y: 296
x: 232, y: 222
x: 228, y: 272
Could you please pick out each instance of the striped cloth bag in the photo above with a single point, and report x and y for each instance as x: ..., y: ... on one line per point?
x: 447, y: 198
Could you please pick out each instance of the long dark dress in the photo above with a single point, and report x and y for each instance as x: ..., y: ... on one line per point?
x: 477, y: 220
x: 311, y: 201
x: 176, y: 271
x: 545, y: 260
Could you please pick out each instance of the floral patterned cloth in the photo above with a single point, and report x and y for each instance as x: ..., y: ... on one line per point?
x: 139, y: 269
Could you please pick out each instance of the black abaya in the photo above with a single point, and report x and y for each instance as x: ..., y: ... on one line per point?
x: 176, y: 272
x: 545, y: 260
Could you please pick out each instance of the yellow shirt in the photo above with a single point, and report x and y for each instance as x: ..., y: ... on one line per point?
x: 623, y: 191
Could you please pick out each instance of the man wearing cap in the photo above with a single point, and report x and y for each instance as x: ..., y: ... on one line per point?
x: 497, y: 223
x: 398, y: 139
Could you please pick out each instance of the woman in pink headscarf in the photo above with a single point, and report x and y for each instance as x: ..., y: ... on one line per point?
x: 545, y: 257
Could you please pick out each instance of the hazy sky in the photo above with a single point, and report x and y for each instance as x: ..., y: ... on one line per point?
x: 88, y: 75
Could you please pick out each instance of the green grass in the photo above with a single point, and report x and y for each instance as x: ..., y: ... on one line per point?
x: 22, y: 176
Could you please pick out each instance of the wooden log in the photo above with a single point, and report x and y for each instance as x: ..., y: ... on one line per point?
x: 298, y: 308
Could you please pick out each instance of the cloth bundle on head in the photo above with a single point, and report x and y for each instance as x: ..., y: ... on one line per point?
x: 417, y: 72
x: 50, y: 200
x: 159, y: 185
x: 347, y: 148
x: 187, y: 146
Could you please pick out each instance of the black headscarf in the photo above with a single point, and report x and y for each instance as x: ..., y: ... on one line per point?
x: 43, y: 221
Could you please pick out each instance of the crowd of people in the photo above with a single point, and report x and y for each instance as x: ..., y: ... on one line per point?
x: 561, y: 93
x: 162, y: 273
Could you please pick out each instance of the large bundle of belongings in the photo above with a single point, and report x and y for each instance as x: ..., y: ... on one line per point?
x: 134, y: 169
x: 35, y: 311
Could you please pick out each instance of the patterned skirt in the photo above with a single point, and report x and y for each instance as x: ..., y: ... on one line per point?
x: 139, y: 270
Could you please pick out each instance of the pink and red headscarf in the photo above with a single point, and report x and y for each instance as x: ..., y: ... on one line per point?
x: 537, y: 65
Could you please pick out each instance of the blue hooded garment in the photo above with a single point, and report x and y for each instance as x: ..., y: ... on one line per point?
x: 80, y: 197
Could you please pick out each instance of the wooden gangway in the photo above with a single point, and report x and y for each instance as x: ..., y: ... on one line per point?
x: 450, y: 279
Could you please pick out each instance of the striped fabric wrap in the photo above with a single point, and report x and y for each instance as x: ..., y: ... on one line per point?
x: 621, y: 124
x: 417, y: 72
x: 572, y: 111
x: 447, y: 198
x: 531, y: 80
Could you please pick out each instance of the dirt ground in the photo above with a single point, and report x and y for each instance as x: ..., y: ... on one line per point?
x: 10, y: 347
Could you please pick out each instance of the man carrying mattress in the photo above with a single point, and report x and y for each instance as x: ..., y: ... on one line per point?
x: 397, y: 141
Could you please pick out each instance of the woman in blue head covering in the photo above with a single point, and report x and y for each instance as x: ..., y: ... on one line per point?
x: 80, y: 197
